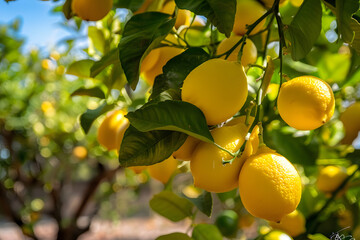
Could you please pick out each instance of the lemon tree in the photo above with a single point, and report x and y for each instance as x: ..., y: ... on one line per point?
x: 251, y: 105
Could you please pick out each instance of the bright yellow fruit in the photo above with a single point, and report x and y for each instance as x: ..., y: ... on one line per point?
x: 296, y: 3
x: 80, y: 152
x: 269, y: 185
x: 164, y: 170
x: 46, y: 64
x: 165, y: 54
x: 91, y: 10
x: 351, y: 120
x: 138, y: 169
x: 249, y: 52
x: 306, y: 102
x: 247, y: 12
x: 293, y: 224
x: 112, y: 129
x: 150, y: 60
x: 269, y: 3
x: 276, y: 235
x: 183, y: 16
x: 330, y: 178
x: 206, y: 165
x: 185, y: 152
x: 218, y: 87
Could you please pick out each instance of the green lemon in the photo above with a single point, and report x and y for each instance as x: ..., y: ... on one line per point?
x: 227, y: 222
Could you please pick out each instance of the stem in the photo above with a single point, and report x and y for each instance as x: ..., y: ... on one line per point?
x: 187, y: 29
x: 225, y: 150
x: 282, y: 44
x: 267, y: 37
x: 257, y: 66
x: 250, y: 29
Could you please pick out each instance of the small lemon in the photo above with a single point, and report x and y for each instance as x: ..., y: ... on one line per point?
x: 183, y: 16
x: 218, y: 87
x: 249, y: 51
x: 186, y: 150
x: 112, y: 129
x: 164, y: 170
x: 269, y: 185
x: 80, y: 152
x: 91, y: 10
x: 351, y: 120
x: 247, y: 12
x: 293, y: 224
x: 207, y: 166
x: 330, y: 178
x: 306, y: 102
x: 157, y: 62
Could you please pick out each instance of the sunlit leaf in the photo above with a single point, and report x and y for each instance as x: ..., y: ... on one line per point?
x: 80, y: 68
x: 111, y: 57
x: 206, y: 232
x: 172, y: 115
x: 171, y: 206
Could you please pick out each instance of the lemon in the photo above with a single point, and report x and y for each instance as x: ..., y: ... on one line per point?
x: 276, y: 235
x: 227, y: 222
x: 218, y: 87
x: 247, y: 12
x: 306, y: 102
x: 269, y: 3
x: 351, y: 120
x: 111, y: 130
x: 330, y: 178
x: 183, y: 16
x: 269, y: 185
x: 164, y: 170
x: 80, y: 152
x: 186, y: 150
x: 206, y: 165
x: 245, y: 221
x: 292, y: 224
x: 296, y: 3
x: 249, y: 51
x: 91, y: 10
x: 157, y: 59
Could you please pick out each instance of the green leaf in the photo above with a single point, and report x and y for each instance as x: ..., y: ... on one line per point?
x: 111, y: 57
x: 174, y: 236
x: 133, y: 5
x: 92, y: 92
x: 204, y: 203
x: 172, y: 115
x: 296, y: 149
x: 305, y: 28
x: 220, y: 13
x: 206, y: 232
x: 171, y: 206
x: 176, y: 70
x: 87, y: 118
x: 349, y: 28
x: 67, y: 9
x: 141, y: 33
x: 80, y: 68
x: 333, y: 67
x: 317, y: 236
x: 147, y: 148
x: 97, y: 38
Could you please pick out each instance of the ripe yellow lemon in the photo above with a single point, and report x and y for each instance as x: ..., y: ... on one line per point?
x: 351, y: 120
x: 218, y: 87
x: 293, y: 224
x: 247, y: 12
x: 306, y: 102
x: 206, y: 165
x: 186, y: 150
x: 80, y: 152
x: 330, y: 178
x: 269, y: 185
x: 164, y: 170
x: 269, y: 3
x: 249, y: 52
x: 164, y: 55
x: 91, y: 10
x: 112, y: 129
x: 183, y: 16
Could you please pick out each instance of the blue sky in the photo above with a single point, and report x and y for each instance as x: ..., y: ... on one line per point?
x: 39, y: 26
